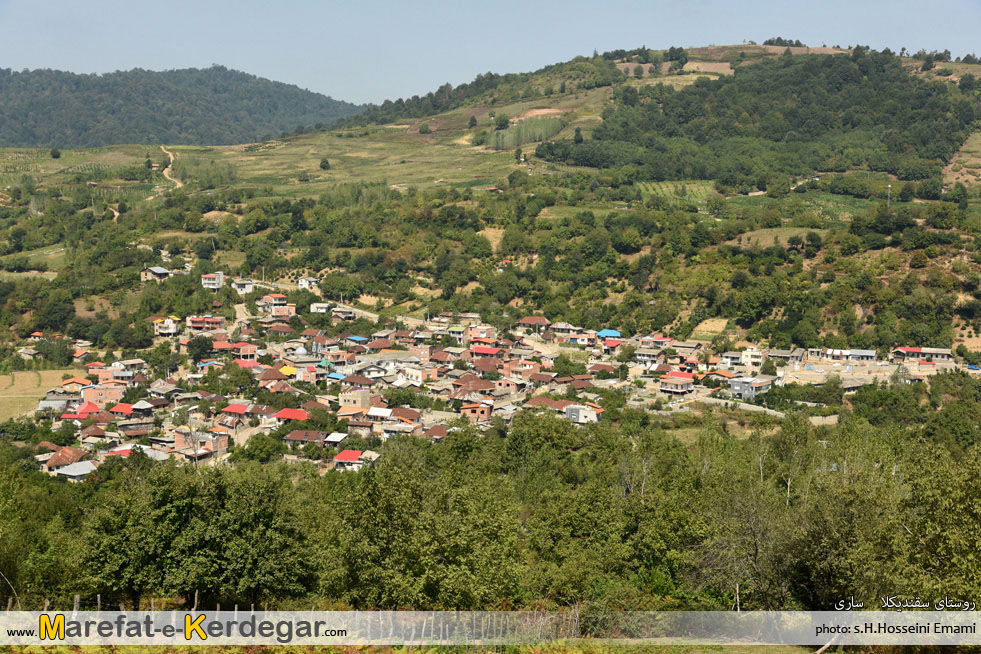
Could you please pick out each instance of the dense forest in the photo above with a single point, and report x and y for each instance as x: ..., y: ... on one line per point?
x: 621, y: 515
x: 789, y: 116
x: 208, y: 106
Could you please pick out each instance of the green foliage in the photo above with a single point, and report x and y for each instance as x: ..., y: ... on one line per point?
x: 205, y: 106
x: 680, y: 134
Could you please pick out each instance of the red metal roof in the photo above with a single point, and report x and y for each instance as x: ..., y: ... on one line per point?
x: 236, y: 408
x: 480, y: 349
x: 291, y: 414
x: 348, y: 456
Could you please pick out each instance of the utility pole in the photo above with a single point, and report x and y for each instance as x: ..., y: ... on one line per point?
x: 888, y: 195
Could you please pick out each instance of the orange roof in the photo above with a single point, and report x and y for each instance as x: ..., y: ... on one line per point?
x: 76, y: 380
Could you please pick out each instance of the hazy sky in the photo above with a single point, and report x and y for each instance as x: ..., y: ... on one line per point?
x: 370, y: 50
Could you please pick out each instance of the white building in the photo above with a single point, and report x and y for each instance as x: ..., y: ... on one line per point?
x: 213, y: 281
x: 242, y: 286
x: 307, y: 283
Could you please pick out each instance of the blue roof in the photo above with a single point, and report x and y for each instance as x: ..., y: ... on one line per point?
x: 357, y: 339
x: 335, y: 375
x: 606, y: 333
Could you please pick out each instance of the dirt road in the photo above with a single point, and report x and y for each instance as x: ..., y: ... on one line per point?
x: 166, y: 171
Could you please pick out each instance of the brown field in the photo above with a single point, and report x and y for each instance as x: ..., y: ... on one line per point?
x: 721, y: 68
x: 493, y: 234
x: 97, y: 303
x: 20, y: 391
x: 709, y: 329
x: 534, y: 113
x: 965, y: 167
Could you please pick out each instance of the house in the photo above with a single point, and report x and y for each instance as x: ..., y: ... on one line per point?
x: 536, y: 324
x: 342, y: 314
x: 582, y: 414
x: 677, y: 383
x: 283, y: 310
x: 307, y: 283
x: 477, y: 411
x: 242, y: 286
x: 206, y: 323
x: 752, y: 357
x: 154, y: 274
x: 62, y: 457
x: 102, y: 395
x: 791, y: 356
x: 348, y: 460
x: 78, y: 471
x: 166, y: 326
x: 267, y: 302
x: 319, y: 307
x: 285, y: 415
x: 75, y: 384
x: 747, y: 388
x: 304, y: 436
x: 732, y: 359
x: 28, y: 354
x: 866, y: 356
x: 213, y: 281
x: 904, y: 354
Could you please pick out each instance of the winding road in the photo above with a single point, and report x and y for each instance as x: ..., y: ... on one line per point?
x: 166, y: 171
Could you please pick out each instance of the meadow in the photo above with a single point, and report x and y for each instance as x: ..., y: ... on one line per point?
x: 21, y: 391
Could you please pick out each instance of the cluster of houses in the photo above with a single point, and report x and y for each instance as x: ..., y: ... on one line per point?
x: 476, y: 373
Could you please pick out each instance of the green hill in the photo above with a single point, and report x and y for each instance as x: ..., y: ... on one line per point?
x: 191, y: 106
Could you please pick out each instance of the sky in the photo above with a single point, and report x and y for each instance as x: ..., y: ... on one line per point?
x: 372, y: 50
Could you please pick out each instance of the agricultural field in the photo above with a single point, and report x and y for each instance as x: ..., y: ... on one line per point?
x: 966, y: 164
x: 20, y: 391
x: 695, y: 190
x: 37, y: 162
x: 827, y: 207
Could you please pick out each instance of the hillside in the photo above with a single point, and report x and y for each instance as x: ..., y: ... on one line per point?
x: 50, y: 108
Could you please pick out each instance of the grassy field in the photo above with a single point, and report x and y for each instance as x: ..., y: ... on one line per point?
x: 21, y: 391
x: 826, y: 206
x: 766, y: 237
x: 397, y: 155
x: 16, y: 162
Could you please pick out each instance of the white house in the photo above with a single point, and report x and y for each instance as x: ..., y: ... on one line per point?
x: 319, y: 307
x: 242, y: 286
x: 307, y: 283
x: 213, y: 281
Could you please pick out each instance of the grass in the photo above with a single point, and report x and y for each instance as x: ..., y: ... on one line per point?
x: 21, y: 391
x: 827, y: 206
x: 765, y: 237
x: 53, y: 256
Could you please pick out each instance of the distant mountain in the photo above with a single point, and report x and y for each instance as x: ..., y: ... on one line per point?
x: 211, y: 106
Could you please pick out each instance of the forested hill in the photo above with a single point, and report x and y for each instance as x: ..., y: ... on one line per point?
x: 211, y: 106
x: 782, y: 117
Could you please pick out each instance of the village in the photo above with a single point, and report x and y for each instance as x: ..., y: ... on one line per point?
x: 464, y: 372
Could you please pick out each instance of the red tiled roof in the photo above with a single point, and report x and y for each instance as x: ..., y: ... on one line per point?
x: 480, y: 349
